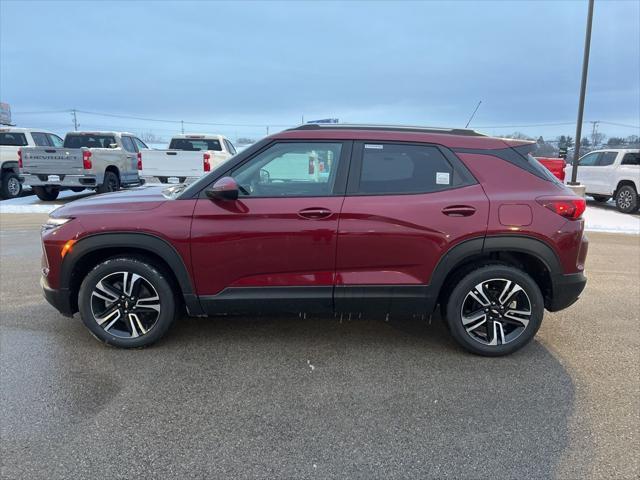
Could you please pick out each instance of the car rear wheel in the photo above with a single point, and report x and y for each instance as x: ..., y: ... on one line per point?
x: 47, y: 194
x: 163, y: 179
x: 495, y: 310
x: 127, y: 302
x: 601, y: 198
x: 627, y: 199
x: 111, y: 183
x: 11, y: 186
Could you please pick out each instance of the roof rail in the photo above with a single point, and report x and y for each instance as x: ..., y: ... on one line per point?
x: 397, y: 128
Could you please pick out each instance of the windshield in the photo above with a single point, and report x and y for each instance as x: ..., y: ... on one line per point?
x: 89, y: 141
x: 195, y: 144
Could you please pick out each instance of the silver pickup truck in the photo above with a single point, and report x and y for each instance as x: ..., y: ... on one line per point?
x: 102, y: 161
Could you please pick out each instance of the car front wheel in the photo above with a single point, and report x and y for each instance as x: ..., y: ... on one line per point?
x: 495, y: 310
x: 10, y: 186
x: 127, y: 302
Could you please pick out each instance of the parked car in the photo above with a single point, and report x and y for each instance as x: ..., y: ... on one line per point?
x: 102, y: 161
x: 555, y: 166
x: 330, y: 219
x: 11, y: 140
x: 611, y: 173
x: 188, y: 156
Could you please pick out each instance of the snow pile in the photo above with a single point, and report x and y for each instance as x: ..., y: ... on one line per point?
x: 605, y: 218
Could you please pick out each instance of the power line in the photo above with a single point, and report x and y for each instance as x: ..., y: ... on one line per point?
x: 528, y: 125
x: 637, y: 127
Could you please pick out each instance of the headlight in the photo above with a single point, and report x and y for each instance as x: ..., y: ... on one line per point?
x: 55, y: 223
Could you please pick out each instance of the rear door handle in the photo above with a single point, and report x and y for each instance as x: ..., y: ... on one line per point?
x: 459, y: 210
x: 315, y: 213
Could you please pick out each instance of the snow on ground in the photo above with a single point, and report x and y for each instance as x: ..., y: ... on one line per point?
x: 598, y: 217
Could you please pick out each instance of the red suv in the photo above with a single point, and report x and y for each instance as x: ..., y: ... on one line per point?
x: 330, y: 219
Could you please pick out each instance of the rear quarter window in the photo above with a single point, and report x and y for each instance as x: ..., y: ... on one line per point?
x: 631, y: 159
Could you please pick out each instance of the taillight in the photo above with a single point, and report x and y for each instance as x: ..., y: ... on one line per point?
x: 568, y: 207
x: 139, y: 161
x: 19, y: 158
x: 86, y: 160
x: 206, y: 159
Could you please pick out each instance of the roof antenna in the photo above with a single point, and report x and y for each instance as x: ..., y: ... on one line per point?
x: 473, y: 114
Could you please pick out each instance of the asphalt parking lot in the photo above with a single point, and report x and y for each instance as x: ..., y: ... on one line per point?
x: 320, y: 397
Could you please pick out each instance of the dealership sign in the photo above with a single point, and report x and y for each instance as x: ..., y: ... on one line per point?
x: 5, y: 114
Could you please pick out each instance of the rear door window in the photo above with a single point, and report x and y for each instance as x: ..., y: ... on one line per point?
x: 391, y: 168
x: 40, y: 139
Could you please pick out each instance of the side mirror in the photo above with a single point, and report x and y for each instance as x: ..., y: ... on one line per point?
x: 224, y: 189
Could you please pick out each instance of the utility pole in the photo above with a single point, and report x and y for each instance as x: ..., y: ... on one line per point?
x: 583, y: 88
x: 75, y: 120
x: 182, y: 126
x: 267, y: 130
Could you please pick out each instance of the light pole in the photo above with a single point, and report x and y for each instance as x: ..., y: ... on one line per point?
x: 583, y: 88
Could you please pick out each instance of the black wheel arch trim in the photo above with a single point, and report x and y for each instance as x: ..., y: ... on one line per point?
x: 139, y: 241
x: 461, y: 252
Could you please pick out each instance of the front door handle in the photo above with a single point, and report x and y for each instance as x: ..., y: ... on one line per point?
x: 459, y: 210
x: 315, y: 213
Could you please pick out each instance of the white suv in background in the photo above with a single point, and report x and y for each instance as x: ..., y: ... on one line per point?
x: 610, y: 173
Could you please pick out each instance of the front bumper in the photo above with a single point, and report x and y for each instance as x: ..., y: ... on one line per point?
x: 60, y: 299
x: 41, y: 180
x: 566, y: 290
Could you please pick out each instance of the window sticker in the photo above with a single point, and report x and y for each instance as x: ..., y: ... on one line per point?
x: 442, y: 178
x: 376, y: 147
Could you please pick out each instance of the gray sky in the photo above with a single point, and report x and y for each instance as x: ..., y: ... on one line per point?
x: 269, y: 63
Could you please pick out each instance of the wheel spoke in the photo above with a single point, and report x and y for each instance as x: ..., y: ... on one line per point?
x: 107, y: 293
x: 479, y: 295
x: 113, y: 314
x: 128, y: 283
x: 472, y: 328
x: 510, y: 289
x: 473, y: 317
x: 150, y: 303
x: 513, y: 315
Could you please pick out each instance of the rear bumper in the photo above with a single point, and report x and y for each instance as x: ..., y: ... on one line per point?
x: 60, y: 299
x: 41, y: 180
x: 566, y: 290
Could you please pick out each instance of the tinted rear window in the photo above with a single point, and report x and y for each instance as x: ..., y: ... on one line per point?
x: 13, y: 139
x: 89, y: 141
x: 631, y: 159
x: 195, y: 144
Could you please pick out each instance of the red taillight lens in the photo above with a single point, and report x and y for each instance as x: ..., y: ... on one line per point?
x: 19, y: 158
x: 206, y: 158
x: 86, y: 160
x: 568, y: 207
x: 139, y: 161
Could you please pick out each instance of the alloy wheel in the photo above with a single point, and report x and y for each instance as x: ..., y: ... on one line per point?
x: 625, y: 199
x: 13, y: 186
x: 496, y: 312
x: 125, y: 304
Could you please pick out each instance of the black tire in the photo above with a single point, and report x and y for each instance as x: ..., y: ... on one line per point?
x: 111, y: 183
x: 627, y: 199
x: 182, y: 179
x: 601, y: 198
x: 77, y: 189
x: 46, y: 194
x: 163, y: 179
x: 121, y: 333
x: 10, y: 187
x: 494, y: 274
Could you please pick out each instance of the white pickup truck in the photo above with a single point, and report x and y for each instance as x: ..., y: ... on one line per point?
x: 188, y: 156
x: 611, y: 173
x: 102, y: 161
x: 11, y: 140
